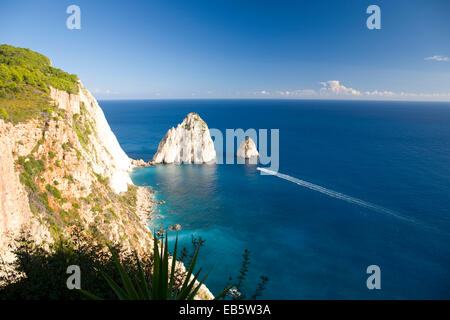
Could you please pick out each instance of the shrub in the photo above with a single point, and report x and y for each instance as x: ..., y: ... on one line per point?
x: 109, y: 274
x: 4, y: 114
x: 25, y: 80
x: 53, y: 191
x: 31, y: 169
x: 45, y: 271
x: 67, y: 146
x: 69, y: 177
x: 163, y: 278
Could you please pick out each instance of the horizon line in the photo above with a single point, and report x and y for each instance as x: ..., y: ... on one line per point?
x: 268, y: 99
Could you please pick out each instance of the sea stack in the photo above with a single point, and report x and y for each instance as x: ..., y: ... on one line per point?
x: 189, y: 142
x: 247, y: 149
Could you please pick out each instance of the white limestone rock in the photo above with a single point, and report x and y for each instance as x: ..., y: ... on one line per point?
x: 102, y: 155
x: 247, y: 149
x: 106, y: 157
x: 189, y: 142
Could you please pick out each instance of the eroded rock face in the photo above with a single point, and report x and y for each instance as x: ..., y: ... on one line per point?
x: 189, y: 142
x: 76, y: 164
x: 107, y: 157
x: 72, y: 157
x: 15, y: 213
x: 247, y: 149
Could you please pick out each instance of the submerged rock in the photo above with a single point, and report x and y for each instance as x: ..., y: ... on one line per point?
x: 247, y: 149
x: 189, y: 142
x: 175, y: 227
x: 140, y: 163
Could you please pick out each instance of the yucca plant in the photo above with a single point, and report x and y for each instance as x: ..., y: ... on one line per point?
x: 163, y: 280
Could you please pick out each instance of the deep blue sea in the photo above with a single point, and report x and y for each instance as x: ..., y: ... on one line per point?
x: 395, y: 155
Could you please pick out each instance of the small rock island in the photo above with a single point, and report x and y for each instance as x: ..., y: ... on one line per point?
x: 247, y: 149
x: 189, y: 142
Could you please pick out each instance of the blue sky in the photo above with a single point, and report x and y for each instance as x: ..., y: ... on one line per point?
x: 242, y: 49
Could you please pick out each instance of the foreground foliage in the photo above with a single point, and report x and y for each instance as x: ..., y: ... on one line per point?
x: 166, y: 282
x: 43, y: 272
x: 107, y: 272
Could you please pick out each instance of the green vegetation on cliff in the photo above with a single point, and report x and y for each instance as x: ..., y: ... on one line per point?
x: 44, y: 271
x: 25, y: 80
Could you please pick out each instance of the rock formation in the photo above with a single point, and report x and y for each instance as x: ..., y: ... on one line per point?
x: 68, y: 165
x: 105, y: 154
x: 135, y: 163
x: 62, y: 167
x: 189, y: 142
x: 247, y: 149
x: 175, y: 227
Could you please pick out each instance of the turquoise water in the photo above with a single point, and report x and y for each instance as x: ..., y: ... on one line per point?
x: 311, y: 243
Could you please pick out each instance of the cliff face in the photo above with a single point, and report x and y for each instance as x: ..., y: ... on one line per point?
x: 61, y: 166
x: 104, y: 152
x: 15, y: 213
x: 189, y: 142
x: 70, y: 170
x: 66, y: 170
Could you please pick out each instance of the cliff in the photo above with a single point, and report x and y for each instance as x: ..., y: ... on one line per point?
x: 189, y: 142
x: 64, y: 170
x: 60, y: 163
x: 102, y: 150
x: 247, y: 149
x: 61, y: 166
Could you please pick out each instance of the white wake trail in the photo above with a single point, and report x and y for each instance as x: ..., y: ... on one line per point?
x: 335, y: 194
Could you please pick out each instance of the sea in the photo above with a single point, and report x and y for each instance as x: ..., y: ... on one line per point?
x: 358, y: 208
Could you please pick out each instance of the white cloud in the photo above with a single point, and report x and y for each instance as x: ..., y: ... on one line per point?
x: 377, y: 93
x: 334, y: 87
x: 438, y: 58
x: 407, y: 95
x: 262, y: 93
x: 424, y: 95
x: 297, y: 93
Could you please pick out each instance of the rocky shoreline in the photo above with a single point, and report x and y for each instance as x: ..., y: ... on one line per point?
x: 145, y: 207
x: 141, y: 163
x: 145, y: 203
